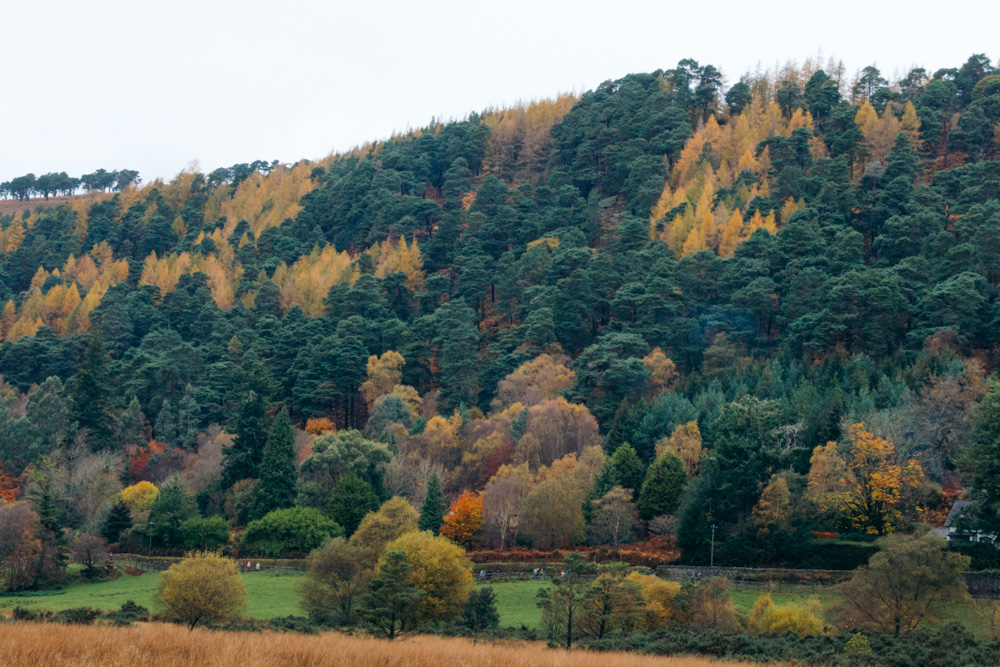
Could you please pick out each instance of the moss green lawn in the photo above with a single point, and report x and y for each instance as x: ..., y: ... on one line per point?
x: 272, y: 595
x: 268, y: 595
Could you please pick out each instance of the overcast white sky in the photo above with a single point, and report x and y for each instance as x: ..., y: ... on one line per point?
x: 126, y: 84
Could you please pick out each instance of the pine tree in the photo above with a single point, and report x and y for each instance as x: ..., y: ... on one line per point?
x: 278, y: 476
x: 389, y: 603
x: 351, y: 501
x: 432, y: 513
x: 457, y: 342
x: 119, y: 520
x: 166, y: 423
x: 628, y: 469
x: 243, y: 458
x: 188, y: 419
x: 132, y: 425
x: 662, y: 488
x: 622, y: 424
x: 92, y: 395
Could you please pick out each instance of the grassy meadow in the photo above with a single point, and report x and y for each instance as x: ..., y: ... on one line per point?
x: 268, y: 595
x: 167, y: 645
x: 271, y: 596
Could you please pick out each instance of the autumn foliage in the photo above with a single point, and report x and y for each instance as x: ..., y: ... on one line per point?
x: 870, y: 487
x: 464, y: 521
x: 10, y: 486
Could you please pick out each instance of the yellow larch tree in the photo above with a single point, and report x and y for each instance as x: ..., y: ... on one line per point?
x: 393, y: 256
x: 731, y: 235
x: 383, y: 375
x: 308, y: 281
x: 662, y: 371
x: 266, y: 201
x: 910, y: 123
x: 685, y: 444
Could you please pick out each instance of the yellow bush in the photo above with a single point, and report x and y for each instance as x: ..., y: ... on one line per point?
x: 768, y: 617
x: 140, y: 496
x: 659, y: 595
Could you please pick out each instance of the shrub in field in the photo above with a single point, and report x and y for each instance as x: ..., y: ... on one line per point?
x: 204, y: 588
x: 129, y: 613
x: 769, y: 617
x: 285, y: 531
x: 205, y: 533
x: 77, y: 616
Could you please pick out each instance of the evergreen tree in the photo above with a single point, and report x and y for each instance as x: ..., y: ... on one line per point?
x: 627, y: 468
x: 132, y: 425
x: 118, y: 520
x: 172, y: 507
x: 983, y: 462
x: 661, y: 491
x: 622, y: 424
x: 166, y: 423
x: 605, y: 482
x: 242, y: 459
x: 278, y: 477
x: 92, y: 395
x: 44, y: 494
x: 188, y: 419
x: 389, y: 603
x: 351, y: 501
x: 458, y: 342
x: 432, y: 512
x: 480, y: 611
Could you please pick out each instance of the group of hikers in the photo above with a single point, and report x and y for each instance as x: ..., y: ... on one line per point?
x: 249, y: 567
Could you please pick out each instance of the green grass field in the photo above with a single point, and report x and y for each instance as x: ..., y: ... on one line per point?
x: 268, y: 595
x: 517, y: 603
x: 271, y: 596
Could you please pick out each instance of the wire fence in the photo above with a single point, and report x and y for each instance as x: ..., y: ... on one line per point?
x: 982, y: 585
x: 277, y: 567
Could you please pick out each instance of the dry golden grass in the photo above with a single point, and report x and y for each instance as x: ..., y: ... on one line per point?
x: 174, y: 646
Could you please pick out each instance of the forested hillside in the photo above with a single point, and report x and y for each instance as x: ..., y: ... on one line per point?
x: 658, y: 306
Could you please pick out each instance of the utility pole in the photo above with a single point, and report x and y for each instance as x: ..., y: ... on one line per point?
x: 712, y: 561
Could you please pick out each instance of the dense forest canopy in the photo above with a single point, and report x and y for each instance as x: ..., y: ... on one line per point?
x: 726, y: 302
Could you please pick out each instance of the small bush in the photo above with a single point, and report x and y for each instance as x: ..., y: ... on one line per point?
x: 77, y: 616
x: 22, y: 614
x: 129, y: 613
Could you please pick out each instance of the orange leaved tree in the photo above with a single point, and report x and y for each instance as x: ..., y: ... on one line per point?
x: 869, y: 486
x: 464, y: 521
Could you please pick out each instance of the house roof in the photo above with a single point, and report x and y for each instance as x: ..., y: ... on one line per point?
x: 956, y: 507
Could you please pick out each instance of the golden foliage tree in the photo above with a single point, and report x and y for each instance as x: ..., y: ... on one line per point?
x: 662, y: 371
x: 204, y: 587
x: 869, y: 485
x: 542, y: 379
x: 685, y: 444
x: 773, y: 512
x: 441, y: 569
x: 552, y: 512
x: 659, y: 595
x: 394, y: 518
x: 383, y: 375
x: 140, y: 496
